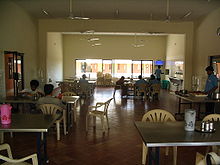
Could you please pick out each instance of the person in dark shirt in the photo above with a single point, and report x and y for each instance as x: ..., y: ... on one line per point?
x: 120, y: 84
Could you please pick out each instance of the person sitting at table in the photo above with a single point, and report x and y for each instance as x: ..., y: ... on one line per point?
x: 48, y: 98
x: 124, y: 88
x: 140, y: 86
x: 140, y: 81
x: 85, y: 88
x: 34, y: 90
x: 151, y: 83
x: 153, y: 80
x: 83, y: 80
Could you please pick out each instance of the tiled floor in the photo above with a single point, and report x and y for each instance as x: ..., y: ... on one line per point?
x: 121, y: 145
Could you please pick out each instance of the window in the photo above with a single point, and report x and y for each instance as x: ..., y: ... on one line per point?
x: 118, y: 68
x: 107, y: 66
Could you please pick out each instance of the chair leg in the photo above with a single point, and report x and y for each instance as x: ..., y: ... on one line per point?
x: 114, y: 93
x: 64, y: 126
x: 175, y: 155
x: 87, y: 122
x: 58, y: 130
x: 94, y: 121
x: 1, y: 137
x: 144, y: 154
x: 166, y: 151
x: 103, y: 124
x: 11, y: 134
x: 74, y: 113
x: 107, y: 122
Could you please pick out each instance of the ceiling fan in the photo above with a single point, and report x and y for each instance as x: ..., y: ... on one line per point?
x: 168, y: 17
x: 71, y: 15
x: 137, y: 43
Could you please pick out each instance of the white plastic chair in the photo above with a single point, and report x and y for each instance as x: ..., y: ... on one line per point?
x: 99, y: 110
x: 10, y: 161
x: 158, y: 115
x: 52, y: 109
x: 69, y: 94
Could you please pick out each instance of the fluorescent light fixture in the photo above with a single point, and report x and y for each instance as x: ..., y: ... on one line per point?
x: 137, y: 45
x: 93, y: 39
x: 45, y: 12
x: 187, y: 14
x: 81, y: 18
x: 97, y: 44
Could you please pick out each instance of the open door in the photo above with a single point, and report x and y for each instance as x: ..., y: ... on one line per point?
x: 14, y: 78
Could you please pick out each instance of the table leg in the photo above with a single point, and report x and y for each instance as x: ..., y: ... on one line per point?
x: 42, y: 142
x: 179, y: 106
x: 157, y: 156
x: 67, y: 116
x: 199, y: 113
x: 150, y: 155
x: 154, y: 155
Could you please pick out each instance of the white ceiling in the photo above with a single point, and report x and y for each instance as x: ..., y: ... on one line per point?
x: 121, y: 9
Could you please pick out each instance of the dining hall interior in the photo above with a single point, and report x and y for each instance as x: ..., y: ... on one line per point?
x: 58, y: 42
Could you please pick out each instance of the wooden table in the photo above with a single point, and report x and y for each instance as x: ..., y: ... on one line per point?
x: 38, y: 123
x: 190, y: 99
x: 168, y: 134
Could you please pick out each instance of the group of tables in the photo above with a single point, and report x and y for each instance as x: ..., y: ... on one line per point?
x: 173, y: 134
x: 192, y: 100
x: 155, y: 135
x: 38, y: 123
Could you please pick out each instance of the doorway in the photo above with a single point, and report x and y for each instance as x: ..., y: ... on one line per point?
x: 14, y: 73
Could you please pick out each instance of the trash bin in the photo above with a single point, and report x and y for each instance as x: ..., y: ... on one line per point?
x: 165, y: 84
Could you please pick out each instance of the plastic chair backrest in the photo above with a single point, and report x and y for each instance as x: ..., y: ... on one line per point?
x: 50, y: 109
x: 69, y: 94
x: 158, y: 115
x: 212, y: 117
x: 104, y: 104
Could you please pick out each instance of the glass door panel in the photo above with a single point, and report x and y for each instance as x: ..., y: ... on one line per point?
x: 147, y: 67
x: 136, y: 68
x: 90, y: 67
x: 107, y: 66
x: 122, y: 68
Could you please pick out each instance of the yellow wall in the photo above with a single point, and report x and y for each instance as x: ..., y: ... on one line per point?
x: 59, y: 25
x: 54, y: 57
x: 113, y: 47
x: 207, y: 43
x: 18, y: 31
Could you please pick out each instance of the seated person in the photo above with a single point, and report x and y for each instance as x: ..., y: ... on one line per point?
x: 153, y: 80
x: 124, y: 88
x: 34, y: 84
x: 48, y: 98
x: 140, y: 81
x: 140, y: 86
x: 83, y: 80
x: 85, y: 88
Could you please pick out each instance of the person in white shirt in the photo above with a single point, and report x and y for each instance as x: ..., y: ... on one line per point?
x: 33, y: 90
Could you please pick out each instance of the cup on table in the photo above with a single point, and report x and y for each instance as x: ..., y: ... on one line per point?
x: 190, y: 119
